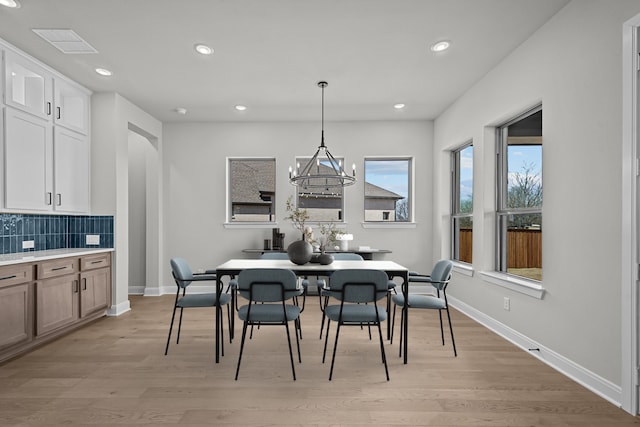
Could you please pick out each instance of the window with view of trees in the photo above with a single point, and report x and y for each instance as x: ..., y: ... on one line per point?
x: 387, y: 189
x: 252, y: 190
x: 322, y: 204
x: 519, y: 210
x: 462, y: 204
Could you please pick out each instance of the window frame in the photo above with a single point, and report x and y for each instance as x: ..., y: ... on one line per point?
x: 229, y: 202
x: 503, y: 211
x: 456, y: 212
x: 410, y: 191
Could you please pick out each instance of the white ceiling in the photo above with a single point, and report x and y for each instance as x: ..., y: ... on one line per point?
x: 269, y: 54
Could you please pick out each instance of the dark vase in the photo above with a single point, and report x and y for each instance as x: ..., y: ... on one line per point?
x: 325, y: 258
x: 300, y: 252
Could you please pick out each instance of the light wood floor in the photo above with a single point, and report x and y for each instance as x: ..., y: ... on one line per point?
x: 114, y: 373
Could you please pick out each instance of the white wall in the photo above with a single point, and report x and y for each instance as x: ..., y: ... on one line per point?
x: 573, y: 66
x: 112, y: 117
x: 138, y: 146
x: 195, y: 156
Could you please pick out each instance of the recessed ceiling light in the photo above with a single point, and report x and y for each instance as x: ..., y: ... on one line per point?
x: 104, y: 72
x: 441, y: 46
x: 181, y: 110
x: 399, y: 106
x: 240, y: 107
x: 10, y: 3
x: 203, y: 49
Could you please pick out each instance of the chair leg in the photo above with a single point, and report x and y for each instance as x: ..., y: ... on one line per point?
x: 401, y: 330
x: 244, y: 334
x: 326, y: 339
x: 173, y: 316
x: 453, y: 341
x: 219, y: 322
x: 230, y: 321
x: 293, y: 367
x: 335, y: 347
x: 179, y: 326
x: 322, y: 307
x: 441, y: 326
x: 298, y: 343
x: 384, y: 356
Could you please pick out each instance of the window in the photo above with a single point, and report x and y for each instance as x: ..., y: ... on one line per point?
x: 462, y: 204
x: 519, y: 190
x: 252, y: 190
x: 323, y: 204
x: 387, y: 190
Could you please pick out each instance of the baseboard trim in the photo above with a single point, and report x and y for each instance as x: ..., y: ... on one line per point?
x: 593, y: 382
x: 117, y: 310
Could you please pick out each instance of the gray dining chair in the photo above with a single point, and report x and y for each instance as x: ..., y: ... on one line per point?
x: 183, y: 276
x: 358, y: 292
x: 267, y: 291
x: 439, y: 279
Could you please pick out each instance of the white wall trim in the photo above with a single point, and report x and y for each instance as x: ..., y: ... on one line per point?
x: 629, y: 292
x: 595, y: 383
x: 117, y: 310
x: 527, y: 287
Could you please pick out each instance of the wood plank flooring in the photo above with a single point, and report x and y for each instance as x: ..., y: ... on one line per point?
x: 114, y: 373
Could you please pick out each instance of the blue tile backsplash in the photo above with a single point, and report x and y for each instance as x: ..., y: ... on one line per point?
x: 53, y: 231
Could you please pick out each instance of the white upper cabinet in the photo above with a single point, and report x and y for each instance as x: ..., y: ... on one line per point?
x: 71, y: 171
x: 27, y: 86
x: 27, y: 162
x: 71, y: 107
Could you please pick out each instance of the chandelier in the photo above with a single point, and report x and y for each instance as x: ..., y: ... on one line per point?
x: 322, y: 171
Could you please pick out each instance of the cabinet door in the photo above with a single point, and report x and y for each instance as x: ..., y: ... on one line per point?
x: 71, y: 170
x: 16, y: 314
x: 27, y: 86
x: 27, y: 161
x: 95, y: 287
x: 56, y: 303
x: 71, y: 107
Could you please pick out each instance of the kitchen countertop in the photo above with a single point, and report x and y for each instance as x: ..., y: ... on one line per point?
x: 36, y: 256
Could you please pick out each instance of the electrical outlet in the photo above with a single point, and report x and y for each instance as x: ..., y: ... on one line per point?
x: 28, y: 244
x: 93, y: 239
x: 506, y: 304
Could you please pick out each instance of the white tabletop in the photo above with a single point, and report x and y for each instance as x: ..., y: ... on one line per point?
x: 243, y: 264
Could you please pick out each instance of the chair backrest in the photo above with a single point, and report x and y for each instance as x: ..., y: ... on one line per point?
x: 181, y: 272
x: 274, y: 255
x: 267, y: 284
x: 441, y: 274
x: 356, y: 285
x: 347, y: 256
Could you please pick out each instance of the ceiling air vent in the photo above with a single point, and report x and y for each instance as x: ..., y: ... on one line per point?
x: 66, y: 40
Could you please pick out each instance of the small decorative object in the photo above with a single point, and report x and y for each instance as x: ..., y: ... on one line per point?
x: 325, y: 258
x: 300, y: 251
x: 344, y: 241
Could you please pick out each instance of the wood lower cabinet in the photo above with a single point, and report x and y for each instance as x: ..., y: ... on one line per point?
x: 16, y: 306
x: 95, y: 284
x: 42, y: 300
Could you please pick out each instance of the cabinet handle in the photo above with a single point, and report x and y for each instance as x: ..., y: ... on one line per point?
x: 84, y: 286
x: 59, y: 112
x: 8, y: 277
x: 59, y: 199
x: 58, y: 268
x: 96, y: 262
x: 75, y: 287
x: 49, y: 198
x: 48, y: 108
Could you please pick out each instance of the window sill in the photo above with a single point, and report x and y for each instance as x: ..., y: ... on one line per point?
x: 389, y: 224
x: 247, y: 225
x: 463, y: 268
x: 527, y: 287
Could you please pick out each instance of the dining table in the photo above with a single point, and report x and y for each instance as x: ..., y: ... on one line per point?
x: 233, y: 267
